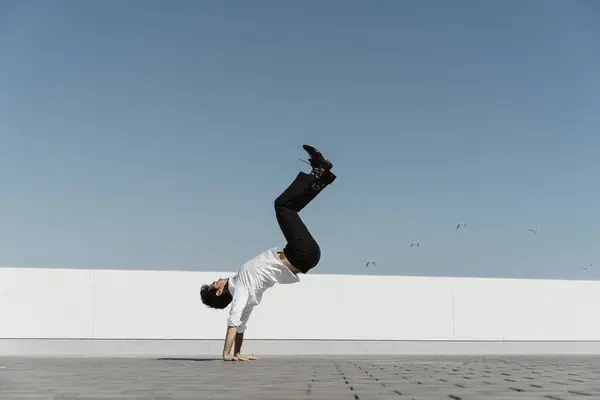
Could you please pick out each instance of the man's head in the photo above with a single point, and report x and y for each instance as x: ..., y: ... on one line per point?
x: 216, y: 295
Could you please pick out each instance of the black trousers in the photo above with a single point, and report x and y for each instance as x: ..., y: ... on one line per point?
x: 301, y: 249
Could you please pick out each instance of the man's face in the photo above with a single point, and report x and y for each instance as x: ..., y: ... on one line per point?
x: 219, y: 285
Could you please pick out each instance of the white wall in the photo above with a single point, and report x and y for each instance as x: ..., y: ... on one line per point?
x: 109, y: 304
x: 46, y: 303
x: 493, y: 309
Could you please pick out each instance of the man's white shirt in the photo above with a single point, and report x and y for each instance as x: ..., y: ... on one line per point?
x: 250, y: 282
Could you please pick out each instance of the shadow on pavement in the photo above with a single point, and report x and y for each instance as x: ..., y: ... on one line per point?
x: 187, y: 359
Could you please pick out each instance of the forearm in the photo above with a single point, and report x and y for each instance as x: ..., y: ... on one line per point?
x: 239, y: 340
x: 229, y: 341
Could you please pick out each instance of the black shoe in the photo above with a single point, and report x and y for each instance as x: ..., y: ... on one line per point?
x: 319, y: 164
x: 327, y: 179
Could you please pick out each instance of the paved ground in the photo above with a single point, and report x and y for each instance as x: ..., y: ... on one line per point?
x: 327, y: 378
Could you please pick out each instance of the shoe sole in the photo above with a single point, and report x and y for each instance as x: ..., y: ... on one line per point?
x: 325, y: 163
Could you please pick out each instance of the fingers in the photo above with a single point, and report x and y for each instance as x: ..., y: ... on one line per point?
x: 241, y: 358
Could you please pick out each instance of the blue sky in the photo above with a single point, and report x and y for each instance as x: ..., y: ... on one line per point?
x: 156, y: 135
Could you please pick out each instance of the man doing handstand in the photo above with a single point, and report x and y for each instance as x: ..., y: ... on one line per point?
x: 244, y: 289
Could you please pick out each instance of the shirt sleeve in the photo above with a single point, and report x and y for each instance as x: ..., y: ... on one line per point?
x: 245, y: 316
x: 238, y: 304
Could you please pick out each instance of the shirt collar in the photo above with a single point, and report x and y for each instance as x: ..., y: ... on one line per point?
x: 231, y: 286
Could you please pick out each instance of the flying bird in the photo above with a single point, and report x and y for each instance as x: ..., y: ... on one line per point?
x: 587, y: 267
x: 535, y: 231
x: 370, y: 262
x: 414, y: 244
x: 461, y: 224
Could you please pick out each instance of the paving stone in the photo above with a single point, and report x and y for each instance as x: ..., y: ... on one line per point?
x: 307, y: 378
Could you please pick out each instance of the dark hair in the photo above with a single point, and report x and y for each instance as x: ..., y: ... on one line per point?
x: 209, y: 297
